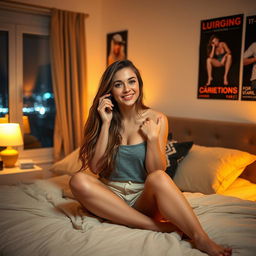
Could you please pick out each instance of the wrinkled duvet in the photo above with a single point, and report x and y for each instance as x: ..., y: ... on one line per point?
x: 40, y: 219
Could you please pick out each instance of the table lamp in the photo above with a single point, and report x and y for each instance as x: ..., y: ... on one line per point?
x: 10, y: 135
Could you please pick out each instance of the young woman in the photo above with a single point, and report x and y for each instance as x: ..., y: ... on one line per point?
x: 124, y: 142
x: 219, y: 55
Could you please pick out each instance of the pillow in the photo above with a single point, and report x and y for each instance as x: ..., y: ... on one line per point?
x: 175, y: 152
x: 211, y: 169
x: 69, y: 164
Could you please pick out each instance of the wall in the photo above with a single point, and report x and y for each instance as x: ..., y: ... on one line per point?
x: 163, y: 39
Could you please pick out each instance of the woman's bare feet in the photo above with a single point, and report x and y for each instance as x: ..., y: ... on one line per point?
x: 202, y: 243
x: 209, y: 81
x: 205, y: 244
x: 225, y: 80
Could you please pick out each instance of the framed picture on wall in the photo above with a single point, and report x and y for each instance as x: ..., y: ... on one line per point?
x: 220, y: 57
x: 249, y: 60
x: 117, y: 46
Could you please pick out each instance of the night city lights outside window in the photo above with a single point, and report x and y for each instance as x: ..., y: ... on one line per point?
x: 26, y: 94
x: 38, y: 99
x: 3, y: 74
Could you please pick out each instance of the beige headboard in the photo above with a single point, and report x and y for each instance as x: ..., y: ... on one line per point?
x: 240, y: 136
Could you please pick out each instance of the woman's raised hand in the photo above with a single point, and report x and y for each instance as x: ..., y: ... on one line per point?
x: 151, y: 129
x: 105, y: 108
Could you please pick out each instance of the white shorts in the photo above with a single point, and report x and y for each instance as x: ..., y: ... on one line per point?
x: 129, y: 191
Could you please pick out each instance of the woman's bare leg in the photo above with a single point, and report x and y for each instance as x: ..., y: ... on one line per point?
x: 98, y: 199
x: 161, y: 193
x: 210, y: 63
x: 209, y: 70
x: 227, y: 68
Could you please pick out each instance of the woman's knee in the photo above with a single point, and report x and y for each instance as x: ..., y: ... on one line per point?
x: 229, y: 57
x: 209, y: 60
x: 157, y: 178
x: 80, y: 182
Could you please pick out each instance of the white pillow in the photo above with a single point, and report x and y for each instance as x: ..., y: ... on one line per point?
x: 211, y: 169
x: 69, y: 164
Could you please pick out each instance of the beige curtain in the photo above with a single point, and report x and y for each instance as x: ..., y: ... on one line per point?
x: 69, y: 79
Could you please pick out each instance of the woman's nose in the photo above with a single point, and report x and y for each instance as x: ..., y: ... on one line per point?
x: 126, y: 87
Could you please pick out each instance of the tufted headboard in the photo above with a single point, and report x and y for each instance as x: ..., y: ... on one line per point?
x: 240, y: 136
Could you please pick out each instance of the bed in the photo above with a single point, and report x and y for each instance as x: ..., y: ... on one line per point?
x: 216, y: 173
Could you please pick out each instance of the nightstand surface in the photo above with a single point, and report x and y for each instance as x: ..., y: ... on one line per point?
x: 15, y: 175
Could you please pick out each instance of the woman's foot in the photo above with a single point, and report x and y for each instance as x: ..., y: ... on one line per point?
x: 211, y: 248
x: 209, y: 81
x: 225, y: 81
x: 201, y: 242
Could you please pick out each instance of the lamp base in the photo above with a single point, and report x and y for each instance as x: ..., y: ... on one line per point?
x: 9, y: 157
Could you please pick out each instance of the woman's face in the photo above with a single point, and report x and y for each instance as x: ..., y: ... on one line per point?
x: 125, y: 87
x: 215, y: 41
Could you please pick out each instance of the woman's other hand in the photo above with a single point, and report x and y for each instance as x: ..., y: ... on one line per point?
x: 151, y: 129
x: 105, y: 108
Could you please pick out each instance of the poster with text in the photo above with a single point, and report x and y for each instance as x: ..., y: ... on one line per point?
x: 220, y: 56
x: 249, y: 60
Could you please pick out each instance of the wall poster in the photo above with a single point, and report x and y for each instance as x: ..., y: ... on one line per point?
x: 116, y: 46
x: 220, y: 56
x: 249, y: 60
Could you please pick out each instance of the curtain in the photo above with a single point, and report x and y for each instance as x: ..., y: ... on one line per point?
x: 69, y: 79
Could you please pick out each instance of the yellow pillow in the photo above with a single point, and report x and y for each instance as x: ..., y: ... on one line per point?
x: 211, y: 169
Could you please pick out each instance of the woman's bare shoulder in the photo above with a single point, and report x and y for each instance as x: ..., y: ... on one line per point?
x: 154, y: 115
x: 223, y: 44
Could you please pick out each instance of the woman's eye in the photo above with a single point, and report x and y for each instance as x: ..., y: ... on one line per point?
x: 132, y: 81
x: 117, y: 85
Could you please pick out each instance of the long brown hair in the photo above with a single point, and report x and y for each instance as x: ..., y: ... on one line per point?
x: 93, y: 124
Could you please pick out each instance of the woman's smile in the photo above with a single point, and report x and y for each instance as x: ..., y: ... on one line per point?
x: 128, y: 97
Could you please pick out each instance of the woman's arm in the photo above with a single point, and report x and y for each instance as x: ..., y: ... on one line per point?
x: 102, y: 142
x: 156, y: 134
x: 211, y: 55
x: 226, y: 48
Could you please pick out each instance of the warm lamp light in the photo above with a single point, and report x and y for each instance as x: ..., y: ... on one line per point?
x: 10, y: 135
x: 3, y: 120
x: 26, y: 125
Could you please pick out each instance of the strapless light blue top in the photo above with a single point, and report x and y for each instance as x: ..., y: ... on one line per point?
x: 130, y: 164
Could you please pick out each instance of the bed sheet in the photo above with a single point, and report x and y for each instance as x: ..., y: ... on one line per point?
x: 38, y: 219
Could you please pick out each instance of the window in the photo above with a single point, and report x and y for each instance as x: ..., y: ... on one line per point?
x: 38, y: 101
x: 4, y: 73
x: 26, y: 94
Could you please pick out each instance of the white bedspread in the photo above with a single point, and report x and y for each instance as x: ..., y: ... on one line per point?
x: 36, y: 220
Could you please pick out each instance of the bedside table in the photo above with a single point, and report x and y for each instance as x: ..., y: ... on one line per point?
x: 15, y: 175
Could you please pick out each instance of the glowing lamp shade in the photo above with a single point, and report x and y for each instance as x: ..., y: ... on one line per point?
x: 10, y: 135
